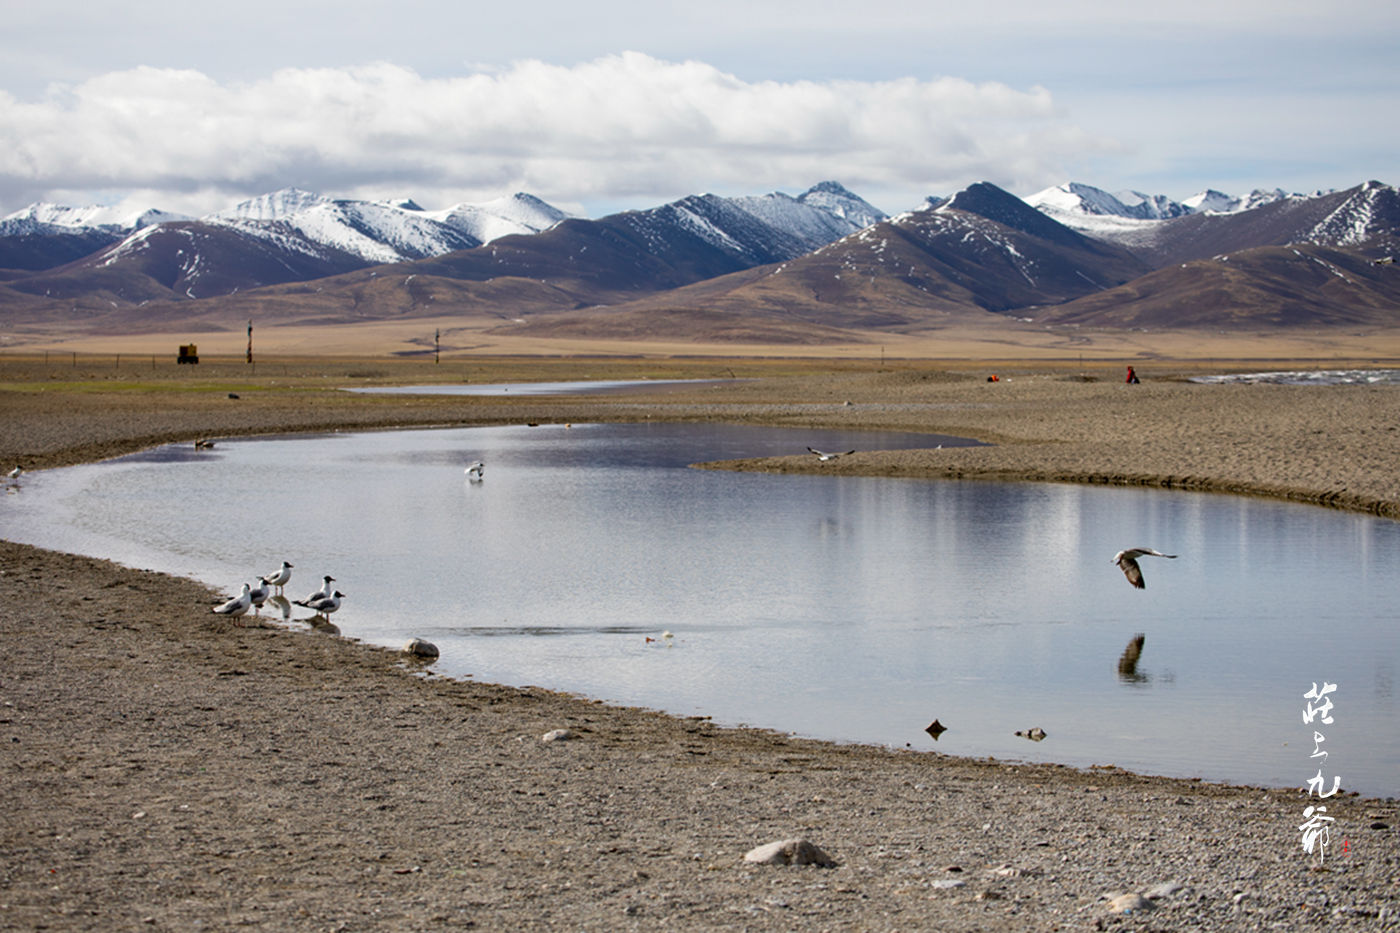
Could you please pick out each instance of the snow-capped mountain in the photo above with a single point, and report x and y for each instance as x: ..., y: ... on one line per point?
x: 388, y: 231
x: 45, y: 235
x: 518, y: 213
x: 374, y: 231
x: 823, y: 213
x: 1075, y: 198
x: 96, y: 215
x: 1211, y: 201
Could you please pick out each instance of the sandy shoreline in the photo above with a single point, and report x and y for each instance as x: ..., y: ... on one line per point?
x: 167, y: 768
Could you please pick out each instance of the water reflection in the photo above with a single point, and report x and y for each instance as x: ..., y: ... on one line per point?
x: 1128, y: 661
x: 848, y: 609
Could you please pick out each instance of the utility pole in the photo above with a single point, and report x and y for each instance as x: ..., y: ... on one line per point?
x: 250, y: 340
x: 437, y: 335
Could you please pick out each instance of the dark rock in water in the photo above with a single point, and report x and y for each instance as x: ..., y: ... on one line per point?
x: 935, y: 729
x: 420, y: 649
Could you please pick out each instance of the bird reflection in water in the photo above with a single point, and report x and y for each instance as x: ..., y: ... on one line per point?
x: 1128, y: 661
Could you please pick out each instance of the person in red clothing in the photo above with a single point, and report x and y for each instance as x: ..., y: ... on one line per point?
x: 1132, y: 376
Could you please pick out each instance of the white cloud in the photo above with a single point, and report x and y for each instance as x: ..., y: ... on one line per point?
x: 617, y: 128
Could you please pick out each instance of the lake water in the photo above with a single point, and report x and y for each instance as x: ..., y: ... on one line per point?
x: 843, y: 608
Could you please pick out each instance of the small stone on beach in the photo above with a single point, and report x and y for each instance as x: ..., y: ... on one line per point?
x: 790, y: 852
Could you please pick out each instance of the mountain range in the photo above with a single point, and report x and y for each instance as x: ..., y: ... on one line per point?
x: 821, y: 266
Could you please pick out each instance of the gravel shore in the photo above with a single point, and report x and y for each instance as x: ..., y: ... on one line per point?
x: 166, y: 768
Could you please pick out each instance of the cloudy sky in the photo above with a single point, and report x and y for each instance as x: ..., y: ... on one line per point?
x: 614, y: 104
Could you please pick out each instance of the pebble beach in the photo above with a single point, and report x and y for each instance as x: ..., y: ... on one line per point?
x: 169, y: 768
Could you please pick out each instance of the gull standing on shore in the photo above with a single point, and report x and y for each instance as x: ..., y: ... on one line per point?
x: 824, y: 456
x: 1127, y: 562
x: 238, y: 605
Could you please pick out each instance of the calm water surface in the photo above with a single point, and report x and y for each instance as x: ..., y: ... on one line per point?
x: 843, y: 608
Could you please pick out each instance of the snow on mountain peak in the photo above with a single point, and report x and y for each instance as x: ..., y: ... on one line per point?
x: 277, y: 205
x: 835, y: 198
x: 95, y: 215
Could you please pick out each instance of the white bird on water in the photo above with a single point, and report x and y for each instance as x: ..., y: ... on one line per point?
x: 824, y: 456
x: 1127, y: 562
x: 280, y: 576
x: 322, y: 593
x: 476, y: 470
x: 236, y: 606
x: 14, y: 474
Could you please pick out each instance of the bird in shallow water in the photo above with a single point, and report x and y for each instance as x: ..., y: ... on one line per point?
x: 322, y: 593
x: 824, y: 455
x: 279, y: 577
x: 259, y: 594
x: 238, y: 605
x: 476, y: 470
x: 325, y: 605
x: 1127, y: 562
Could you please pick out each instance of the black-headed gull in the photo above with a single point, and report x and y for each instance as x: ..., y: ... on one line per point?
x: 14, y: 474
x: 1127, y: 562
x: 824, y: 456
x: 236, y: 606
x: 326, y: 604
x: 476, y: 470
x: 322, y: 593
x: 259, y: 594
x: 280, y: 576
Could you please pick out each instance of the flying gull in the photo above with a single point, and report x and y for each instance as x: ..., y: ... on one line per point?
x: 825, y: 455
x: 1127, y: 562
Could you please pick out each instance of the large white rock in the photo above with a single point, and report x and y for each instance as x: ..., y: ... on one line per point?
x: 790, y: 852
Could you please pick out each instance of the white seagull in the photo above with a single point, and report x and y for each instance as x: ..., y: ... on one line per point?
x: 259, y: 594
x: 476, y: 470
x: 14, y: 474
x: 280, y: 576
x: 322, y: 593
x: 824, y: 456
x: 236, y: 606
x: 1127, y: 562
x: 326, y: 604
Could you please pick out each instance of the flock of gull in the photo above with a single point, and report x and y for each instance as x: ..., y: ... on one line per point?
x: 269, y: 589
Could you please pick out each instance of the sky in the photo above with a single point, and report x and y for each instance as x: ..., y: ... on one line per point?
x: 618, y: 104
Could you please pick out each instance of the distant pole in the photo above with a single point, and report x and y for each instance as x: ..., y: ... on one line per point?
x: 250, y: 340
x: 437, y: 335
